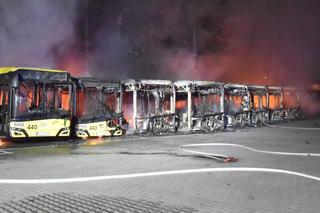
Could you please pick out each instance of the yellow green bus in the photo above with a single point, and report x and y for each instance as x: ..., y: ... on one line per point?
x: 35, y: 103
x: 98, y: 109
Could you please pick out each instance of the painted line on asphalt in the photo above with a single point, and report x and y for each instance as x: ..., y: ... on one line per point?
x: 292, y: 128
x: 182, y: 148
x: 3, y: 152
x: 153, y: 174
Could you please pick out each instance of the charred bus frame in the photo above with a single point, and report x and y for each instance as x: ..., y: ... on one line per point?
x: 199, y: 105
x: 275, y: 103
x: 259, y: 104
x: 237, y: 105
x: 152, y: 106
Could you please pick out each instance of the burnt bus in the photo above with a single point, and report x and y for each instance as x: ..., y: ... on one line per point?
x: 199, y: 105
x: 259, y: 104
x: 149, y: 106
x: 237, y: 105
x: 275, y: 104
x: 35, y: 103
x: 41, y: 103
x: 98, y: 111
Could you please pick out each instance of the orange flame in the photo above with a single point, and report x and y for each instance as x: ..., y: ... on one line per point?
x: 181, y: 104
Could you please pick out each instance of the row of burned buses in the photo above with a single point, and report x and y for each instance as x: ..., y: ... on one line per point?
x: 50, y: 103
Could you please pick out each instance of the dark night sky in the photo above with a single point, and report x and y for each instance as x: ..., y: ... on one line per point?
x: 253, y: 41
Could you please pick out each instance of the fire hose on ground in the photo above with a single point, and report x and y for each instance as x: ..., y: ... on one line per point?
x: 229, y: 159
x: 217, y: 157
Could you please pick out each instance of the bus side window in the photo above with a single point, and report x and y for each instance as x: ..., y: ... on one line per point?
x: 65, y: 100
x: 64, y: 97
x: 1, y: 97
x: 3, y: 103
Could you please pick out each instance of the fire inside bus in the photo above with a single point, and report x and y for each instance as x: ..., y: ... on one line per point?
x: 34, y: 102
x: 259, y: 101
x: 199, y: 105
x: 237, y: 105
x: 98, y: 111
x: 275, y: 103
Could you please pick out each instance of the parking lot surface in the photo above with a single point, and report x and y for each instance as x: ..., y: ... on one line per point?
x: 277, y: 170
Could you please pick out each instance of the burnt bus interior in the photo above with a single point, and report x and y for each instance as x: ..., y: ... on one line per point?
x: 199, y: 105
x: 98, y: 101
x: 28, y: 95
x: 38, y: 94
x: 151, y: 106
x: 4, y: 104
x: 275, y: 103
x: 237, y: 105
x: 183, y: 104
x: 259, y: 104
x: 129, y: 88
x: 41, y: 99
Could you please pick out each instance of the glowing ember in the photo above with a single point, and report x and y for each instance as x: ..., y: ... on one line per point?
x: 181, y: 104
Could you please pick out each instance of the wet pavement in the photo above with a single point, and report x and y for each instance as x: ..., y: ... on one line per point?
x: 151, y: 174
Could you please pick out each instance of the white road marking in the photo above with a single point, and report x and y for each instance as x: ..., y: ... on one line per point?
x: 182, y: 148
x: 3, y: 152
x: 292, y: 128
x: 152, y: 174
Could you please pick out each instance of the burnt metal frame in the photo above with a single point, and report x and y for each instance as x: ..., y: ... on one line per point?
x: 260, y: 115
x: 276, y: 114
x: 191, y: 87
x: 134, y: 86
x: 238, y: 118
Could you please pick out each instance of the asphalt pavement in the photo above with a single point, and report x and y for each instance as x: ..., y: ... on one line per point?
x: 277, y: 170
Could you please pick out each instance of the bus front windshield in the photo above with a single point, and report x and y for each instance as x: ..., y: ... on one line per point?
x: 96, y: 104
x: 34, y: 100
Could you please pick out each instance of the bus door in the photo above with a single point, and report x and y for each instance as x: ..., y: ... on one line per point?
x: 3, y: 109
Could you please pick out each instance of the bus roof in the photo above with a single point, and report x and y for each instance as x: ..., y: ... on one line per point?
x: 5, y: 70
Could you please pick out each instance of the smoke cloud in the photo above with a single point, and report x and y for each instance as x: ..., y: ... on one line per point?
x: 245, y: 41
x: 35, y: 33
x: 266, y: 42
x: 154, y: 39
x: 272, y: 42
